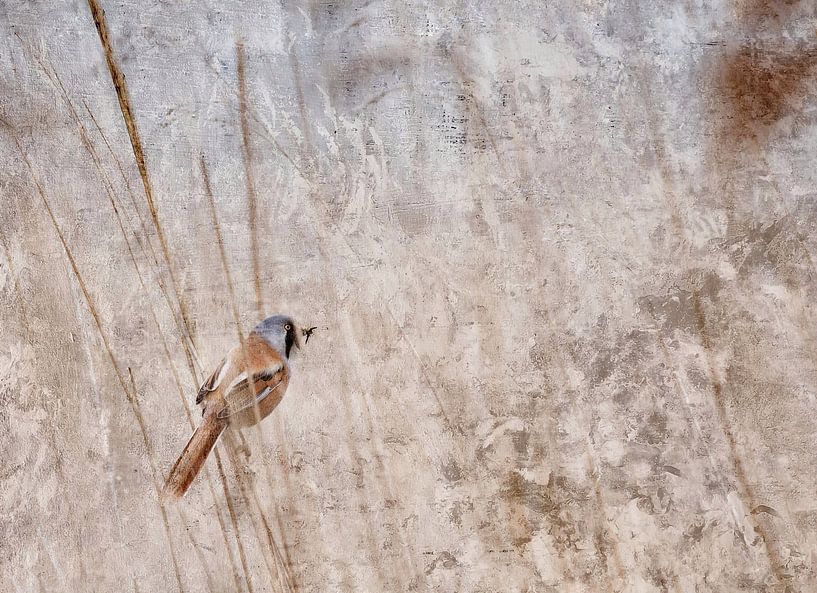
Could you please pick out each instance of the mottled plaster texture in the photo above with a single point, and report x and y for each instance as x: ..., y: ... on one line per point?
x: 561, y: 256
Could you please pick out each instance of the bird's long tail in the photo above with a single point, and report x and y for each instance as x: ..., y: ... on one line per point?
x: 192, y: 458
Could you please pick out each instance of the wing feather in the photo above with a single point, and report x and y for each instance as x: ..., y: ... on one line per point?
x: 244, y: 393
x: 212, y: 383
x: 247, y: 402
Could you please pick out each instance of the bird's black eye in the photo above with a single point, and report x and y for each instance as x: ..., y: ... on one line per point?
x: 288, y: 327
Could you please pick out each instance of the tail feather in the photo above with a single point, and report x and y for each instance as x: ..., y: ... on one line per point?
x: 192, y: 458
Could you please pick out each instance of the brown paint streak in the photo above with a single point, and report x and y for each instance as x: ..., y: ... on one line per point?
x: 208, y: 189
x: 234, y: 520
x: 475, y: 106
x: 601, y: 511
x: 315, y: 201
x: 111, y: 196
x: 239, y: 481
x: 287, y: 489
x: 183, y: 340
x: 196, y: 549
x: 247, y: 154
x: 122, y: 95
x: 328, y: 220
x: 185, y: 344
x: 130, y: 396
x: 308, y: 157
x: 756, y: 85
x: 248, y: 492
x: 15, y: 278
x: 746, y: 492
x: 231, y: 557
x: 268, y: 134
x: 262, y: 127
x: 222, y: 475
x: 137, y: 410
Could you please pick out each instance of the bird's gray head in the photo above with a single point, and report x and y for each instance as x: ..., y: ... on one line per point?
x: 281, y: 332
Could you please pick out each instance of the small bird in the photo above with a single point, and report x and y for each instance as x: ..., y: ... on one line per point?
x: 248, y: 384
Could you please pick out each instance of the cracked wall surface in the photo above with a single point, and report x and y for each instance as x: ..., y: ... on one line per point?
x: 561, y: 257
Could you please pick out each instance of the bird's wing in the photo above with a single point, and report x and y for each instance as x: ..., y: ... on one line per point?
x: 247, y: 391
x: 212, y: 383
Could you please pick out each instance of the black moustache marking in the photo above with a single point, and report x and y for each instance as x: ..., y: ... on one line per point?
x: 289, y: 340
x: 308, y: 333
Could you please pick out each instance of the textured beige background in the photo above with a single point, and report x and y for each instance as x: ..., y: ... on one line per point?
x: 562, y: 259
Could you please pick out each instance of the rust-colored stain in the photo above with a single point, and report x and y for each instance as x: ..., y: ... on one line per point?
x: 765, y: 12
x: 760, y: 86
